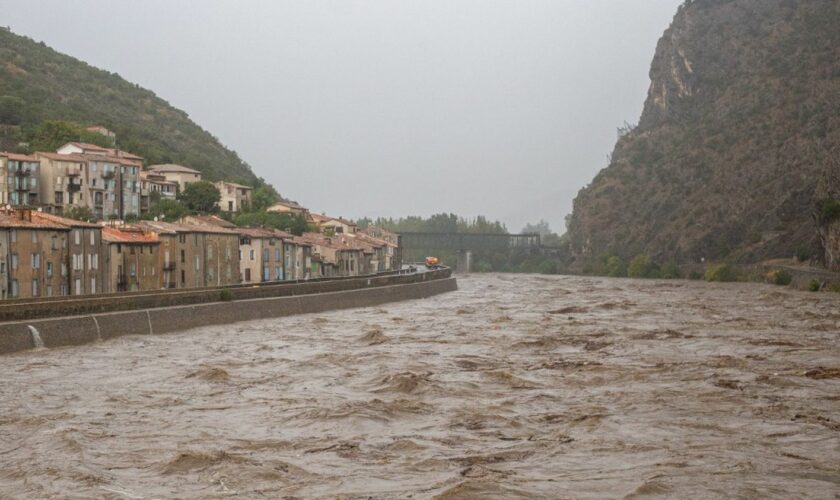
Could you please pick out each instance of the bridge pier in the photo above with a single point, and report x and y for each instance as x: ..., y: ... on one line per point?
x: 464, y: 265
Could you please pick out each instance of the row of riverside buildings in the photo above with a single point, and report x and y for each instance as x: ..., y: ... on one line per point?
x: 43, y: 254
x: 112, y: 183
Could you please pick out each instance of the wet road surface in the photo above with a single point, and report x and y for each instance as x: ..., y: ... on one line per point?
x: 512, y: 387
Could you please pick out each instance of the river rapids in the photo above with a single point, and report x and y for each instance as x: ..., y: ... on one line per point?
x: 511, y: 387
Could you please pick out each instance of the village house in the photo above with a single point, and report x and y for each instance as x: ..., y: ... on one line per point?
x: 131, y: 260
x: 154, y: 186
x: 35, y: 254
x: 331, y: 225
x: 334, y: 256
x: 19, y: 178
x: 196, y: 255
x: 261, y: 250
x: 84, y: 249
x: 106, y: 181
x: 261, y: 256
x: 289, y: 207
x: 234, y: 197
x: 61, y: 182
x: 183, y: 176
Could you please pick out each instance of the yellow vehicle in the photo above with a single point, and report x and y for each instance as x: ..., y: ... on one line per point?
x: 432, y: 262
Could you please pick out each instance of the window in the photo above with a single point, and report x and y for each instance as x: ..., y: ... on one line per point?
x: 36, y: 261
x: 92, y: 238
x: 49, y: 269
x: 266, y: 254
x: 93, y: 285
x: 35, y: 291
x: 183, y: 257
x: 78, y: 284
x: 14, y: 261
x: 251, y: 254
x: 77, y: 234
x: 13, y: 235
x: 15, y: 288
x: 54, y: 242
x: 132, y: 269
x: 277, y: 254
x: 247, y: 275
x: 49, y: 291
x: 209, y: 251
x: 34, y: 236
x: 197, y: 263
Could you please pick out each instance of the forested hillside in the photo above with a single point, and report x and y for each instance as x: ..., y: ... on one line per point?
x: 38, y: 84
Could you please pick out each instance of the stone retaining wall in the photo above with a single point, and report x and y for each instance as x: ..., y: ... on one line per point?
x: 77, y: 330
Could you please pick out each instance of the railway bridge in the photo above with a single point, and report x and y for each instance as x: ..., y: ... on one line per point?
x: 467, y: 243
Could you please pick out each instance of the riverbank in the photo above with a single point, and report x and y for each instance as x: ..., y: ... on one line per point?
x: 239, y: 304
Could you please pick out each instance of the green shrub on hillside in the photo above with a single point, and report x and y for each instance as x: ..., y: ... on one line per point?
x: 642, y: 267
x: 814, y: 286
x: 671, y: 271
x: 616, y: 267
x: 695, y: 275
x: 828, y: 211
x: 781, y: 277
x: 721, y: 273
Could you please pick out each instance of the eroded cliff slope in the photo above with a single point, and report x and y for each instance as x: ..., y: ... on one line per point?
x: 742, y: 115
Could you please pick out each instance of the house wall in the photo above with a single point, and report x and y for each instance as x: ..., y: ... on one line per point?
x: 221, y: 253
x: 4, y: 268
x: 132, y: 266
x: 86, y: 272
x: 50, y: 272
x: 54, y: 184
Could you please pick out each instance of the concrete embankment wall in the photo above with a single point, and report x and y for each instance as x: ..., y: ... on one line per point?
x: 77, y: 330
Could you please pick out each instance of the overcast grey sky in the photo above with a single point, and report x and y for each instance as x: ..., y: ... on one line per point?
x: 386, y: 107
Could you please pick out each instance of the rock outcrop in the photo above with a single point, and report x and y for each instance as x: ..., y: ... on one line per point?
x: 741, y: 118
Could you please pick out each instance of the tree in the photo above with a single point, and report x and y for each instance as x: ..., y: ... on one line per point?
x: 201, y: 196
x: 293, y: 223
x: 262, y: 199
x: 616, y: 267
x: 11, y: 110
x: 79, y: 213
x: 642, y: 267
x: 166, y: 209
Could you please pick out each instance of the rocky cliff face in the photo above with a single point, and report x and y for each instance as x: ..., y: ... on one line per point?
x: 741, y: 117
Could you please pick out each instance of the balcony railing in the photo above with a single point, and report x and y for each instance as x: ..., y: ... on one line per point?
x: 169, y: 266
x: 73, y: 173
x: 108, y: 174
x: 73, y: 188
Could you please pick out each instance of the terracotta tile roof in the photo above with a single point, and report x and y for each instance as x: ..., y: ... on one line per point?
x: 321, y: 218
x: 64, y: 221
x: 128, y: 235
x: 119, y: 153
x: 171, y: 167
x: 19, y: 157
x: 87, y: 146
x: 12, y: 220
x: 213, y: 220
x: 289, y: 204
x: 75, y: 158
x: 239, y: 186
x: 172, y: 228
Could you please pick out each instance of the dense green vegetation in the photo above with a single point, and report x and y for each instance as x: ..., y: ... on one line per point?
x: 46, y: 98
x: 484, y: 261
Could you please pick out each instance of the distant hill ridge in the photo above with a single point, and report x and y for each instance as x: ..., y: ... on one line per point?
x: 37, y: 84
x: 741, y: 120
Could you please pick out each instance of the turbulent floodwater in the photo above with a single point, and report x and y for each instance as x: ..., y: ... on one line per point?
x: 514, y: 386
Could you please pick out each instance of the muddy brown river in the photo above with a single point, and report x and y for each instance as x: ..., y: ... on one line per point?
x: 512, y: 387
